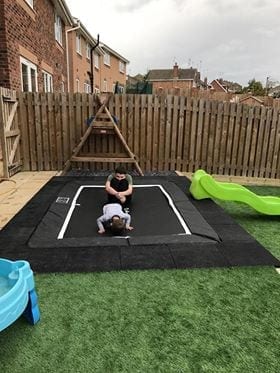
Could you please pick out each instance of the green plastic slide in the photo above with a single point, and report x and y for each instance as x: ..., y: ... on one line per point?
x: 204, y: 186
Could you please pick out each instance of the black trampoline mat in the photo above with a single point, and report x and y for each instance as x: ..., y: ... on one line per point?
x: 150, y: 212
x: 157, y: 241
x: 161, y: 213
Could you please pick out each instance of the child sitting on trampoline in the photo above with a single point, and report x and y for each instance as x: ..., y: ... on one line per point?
x: 119, y: 187
x: 114, y: 218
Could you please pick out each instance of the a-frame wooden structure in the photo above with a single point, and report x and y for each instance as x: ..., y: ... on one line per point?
x: 102, y: 124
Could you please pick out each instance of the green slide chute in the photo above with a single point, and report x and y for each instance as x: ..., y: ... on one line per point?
x: 204, y: 186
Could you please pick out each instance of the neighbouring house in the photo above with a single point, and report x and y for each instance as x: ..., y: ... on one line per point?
x: 93, y: 67
x: 43, y: 48
x: 33, y: 43
x: 221, y: 85
x: 81, y: 48
x: 217, y: 86
x: 131, y: 80
x: 252, y: 101
x: 274, y: 92
x: 174, y: 78
x: 109, y: 70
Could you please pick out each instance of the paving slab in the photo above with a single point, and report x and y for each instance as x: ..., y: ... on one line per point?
x: 18, y: 190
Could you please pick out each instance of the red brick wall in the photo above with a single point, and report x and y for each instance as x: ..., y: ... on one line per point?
x: 35, y: 34
x: 183, y: 84
x: 4, y: 72
x: 217, y: 87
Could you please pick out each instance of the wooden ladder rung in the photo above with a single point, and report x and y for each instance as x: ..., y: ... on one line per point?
x: 102, y: 159
x: 102, y: 116
x: 103, y: 124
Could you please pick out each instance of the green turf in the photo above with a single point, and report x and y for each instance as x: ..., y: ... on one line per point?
x: 209, y: 320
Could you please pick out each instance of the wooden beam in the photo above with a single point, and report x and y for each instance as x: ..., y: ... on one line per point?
x: 11, y: 116
x: 12, y: 133
x: 104, y: 159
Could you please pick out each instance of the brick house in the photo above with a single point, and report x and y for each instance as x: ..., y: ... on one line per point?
x: 174, y: 78
x: 109, y: 70
x: 43, y: 48
x: 220, y: 85
x: 32, y: 51
x: 106, y: 69
x: 251, y: 101
x: 81, y: 48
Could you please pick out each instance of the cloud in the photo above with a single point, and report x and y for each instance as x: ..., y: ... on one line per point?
x: 235, y: 37
x: 131, y: 5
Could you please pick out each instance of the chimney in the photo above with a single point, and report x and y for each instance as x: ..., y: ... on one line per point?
x: 175, y: 71
x: 205, y: 82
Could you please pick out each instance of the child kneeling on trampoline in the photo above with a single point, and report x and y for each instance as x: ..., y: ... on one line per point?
x: 114, y: 218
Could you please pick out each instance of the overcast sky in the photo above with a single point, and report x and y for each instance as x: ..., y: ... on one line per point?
x: 236, y: 40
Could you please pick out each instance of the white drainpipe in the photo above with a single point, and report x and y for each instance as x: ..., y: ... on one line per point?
x: 67, y: 53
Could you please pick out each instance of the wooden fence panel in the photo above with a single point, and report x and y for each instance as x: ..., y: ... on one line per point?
x: 164, y: 132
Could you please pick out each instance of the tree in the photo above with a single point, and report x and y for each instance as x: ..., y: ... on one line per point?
x: 255, y: 88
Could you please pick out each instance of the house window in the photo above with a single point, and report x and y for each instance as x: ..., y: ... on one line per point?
x: 58, y: 29
x: 87, y: 87
x: 30, y: 3
x: 28, y: 76
x: 96, y: 90
x: 62, y: 87
x: 48, y: 82
x: 106, y: 59
x: 96, y: 61
x: 122, y: 67
x: 78, y: 44
x: 105, y: 86
x: 77, y: 85
x: 88, y: 49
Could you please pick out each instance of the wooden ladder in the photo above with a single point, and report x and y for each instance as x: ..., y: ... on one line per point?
x: 103, y: 124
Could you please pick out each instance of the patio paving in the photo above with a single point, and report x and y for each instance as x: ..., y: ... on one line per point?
x: 18, y: 190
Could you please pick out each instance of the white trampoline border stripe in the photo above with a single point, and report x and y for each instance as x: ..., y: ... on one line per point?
x: 74, y: 204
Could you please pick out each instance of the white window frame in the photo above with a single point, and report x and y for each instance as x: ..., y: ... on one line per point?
x: 48, y: 81
x: 30, y: 3
x: 107, y: 59
x: 87, y: 87
x: 88, y: 50
x: 122, y: 67
x: 96, y: 61
x: 62, y: 86
x: 79, y: 44
x: 105, y: 85
x: 96, y: 90
x: 58, y: 28
x: 30, y: 66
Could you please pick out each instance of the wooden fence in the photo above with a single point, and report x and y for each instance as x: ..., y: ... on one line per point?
x: 165, y: 133
x: 210, y: 94
x: 10, y: 156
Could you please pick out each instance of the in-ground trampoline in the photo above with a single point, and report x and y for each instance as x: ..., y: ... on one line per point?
x: 57, y: 232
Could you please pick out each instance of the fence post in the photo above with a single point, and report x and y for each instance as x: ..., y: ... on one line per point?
x: 3, y: 143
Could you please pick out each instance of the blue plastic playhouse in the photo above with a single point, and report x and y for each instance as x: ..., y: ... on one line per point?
x: 17, y: 293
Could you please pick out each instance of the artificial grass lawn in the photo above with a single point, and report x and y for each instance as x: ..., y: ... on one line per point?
x: 212, y: 320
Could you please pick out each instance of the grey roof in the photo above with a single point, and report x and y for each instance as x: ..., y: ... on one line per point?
x: 165, y: 74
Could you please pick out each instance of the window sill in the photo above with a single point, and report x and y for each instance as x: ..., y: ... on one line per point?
x: 27, y: 7
x: 59, y: 46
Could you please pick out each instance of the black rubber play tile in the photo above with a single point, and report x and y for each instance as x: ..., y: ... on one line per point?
x: 240, y: 253
x: 146, y: 257
x: 200, y: 255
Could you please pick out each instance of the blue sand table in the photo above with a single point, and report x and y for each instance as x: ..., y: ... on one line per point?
x: 17, y: 293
